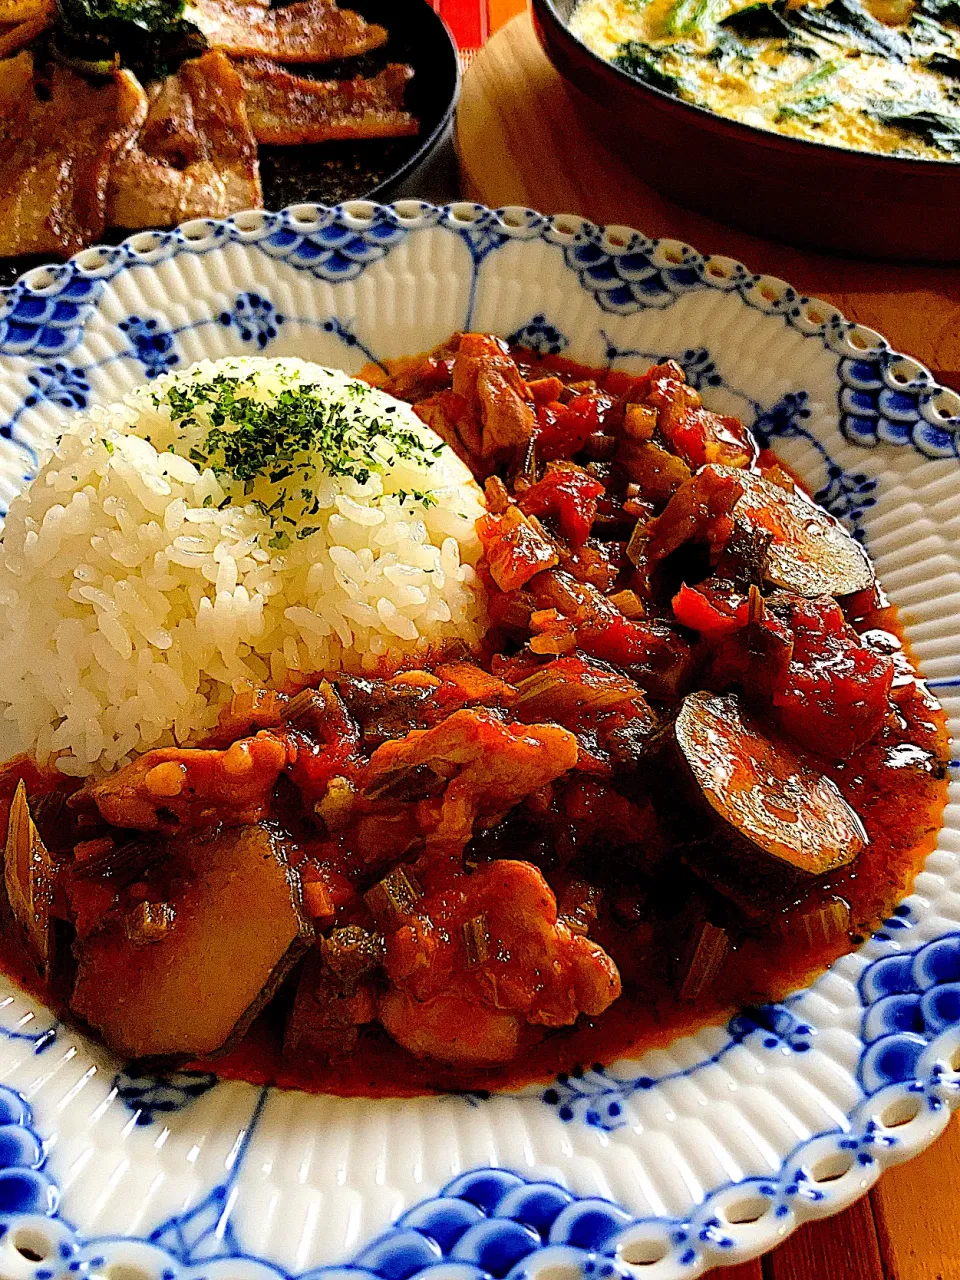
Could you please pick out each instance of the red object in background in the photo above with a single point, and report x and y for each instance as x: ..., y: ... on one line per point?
x: 467, y: 20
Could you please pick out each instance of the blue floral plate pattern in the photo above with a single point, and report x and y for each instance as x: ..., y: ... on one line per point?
x: 706, y: 1152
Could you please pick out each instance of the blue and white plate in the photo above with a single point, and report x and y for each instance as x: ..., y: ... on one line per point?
x: 708, y: 1152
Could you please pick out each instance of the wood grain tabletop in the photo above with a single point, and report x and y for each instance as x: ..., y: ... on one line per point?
x: 521, y: 141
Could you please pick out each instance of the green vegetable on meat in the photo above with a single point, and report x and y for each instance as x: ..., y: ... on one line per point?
x: 149, y: 36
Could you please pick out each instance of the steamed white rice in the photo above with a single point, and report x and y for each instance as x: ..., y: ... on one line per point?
x: 139, y: 590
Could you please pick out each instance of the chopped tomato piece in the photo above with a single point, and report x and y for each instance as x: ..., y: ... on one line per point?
x: 563, y: 429
x: 569, y: 495
x: 698, y: 435
x: 837, y: 689
x: 693, y: 609
x: 516, y: 549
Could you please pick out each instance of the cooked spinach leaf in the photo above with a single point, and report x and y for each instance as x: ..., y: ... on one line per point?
x: 847, y: 23
x: 150, y: 36
x: 815, y: 77
x: 940, y: 10
x: 944, y: 65
x: 685, y: 16
x: 727, y: 50
x: 936, y: 128
x: 641, y: 61
x: 804, y: 108
x: 759, y: 22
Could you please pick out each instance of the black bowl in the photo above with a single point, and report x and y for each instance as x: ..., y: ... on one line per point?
x: 808, y: 193
x: 380, y: 168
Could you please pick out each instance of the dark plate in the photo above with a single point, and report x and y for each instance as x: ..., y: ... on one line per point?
x: 380, y: 168
x: 807, y: 193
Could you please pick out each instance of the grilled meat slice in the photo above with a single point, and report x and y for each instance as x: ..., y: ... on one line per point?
x: 14, y: 38
x: 195, y: 156
x: 18, y: 11
x: 58, y: 137
x: 287, y: 110
x: 307, y: 31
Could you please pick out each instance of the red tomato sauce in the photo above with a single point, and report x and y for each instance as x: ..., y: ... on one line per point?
x: 896, y: 783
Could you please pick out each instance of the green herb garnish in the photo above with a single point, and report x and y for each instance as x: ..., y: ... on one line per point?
x: 281, y: 446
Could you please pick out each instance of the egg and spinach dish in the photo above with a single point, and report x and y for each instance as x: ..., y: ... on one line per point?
x: 879, y: 76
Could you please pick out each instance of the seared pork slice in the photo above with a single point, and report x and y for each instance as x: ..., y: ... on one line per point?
x: 14, y: 38
x: 19, y: 11
x: 195, y: 156
x: 287, y: 110
x: 307, y: 31
x: 58, y: 137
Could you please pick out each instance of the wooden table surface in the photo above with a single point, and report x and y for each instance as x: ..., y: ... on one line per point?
x: 520, y: 141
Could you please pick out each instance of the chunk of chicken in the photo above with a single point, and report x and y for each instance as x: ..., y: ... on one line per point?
x: 484, y: 956
x: 490, y: 767
x: 488, y: 416
x: 174, y: 789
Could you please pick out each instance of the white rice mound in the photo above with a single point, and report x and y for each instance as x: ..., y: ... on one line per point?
x: 134, y: 607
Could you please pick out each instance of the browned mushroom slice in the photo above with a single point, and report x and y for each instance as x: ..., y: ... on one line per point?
x: 195, y: 156
x: 29, y: 875
x: 307, y: 31
x: 286, y: 109
x: 751, y: 803
x: 57, y: 141
x: 809, y: 552
x: 327, y: 1013
x: 232, y: 926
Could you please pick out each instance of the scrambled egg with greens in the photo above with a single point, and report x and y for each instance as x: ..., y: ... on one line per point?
x: 883, y: 75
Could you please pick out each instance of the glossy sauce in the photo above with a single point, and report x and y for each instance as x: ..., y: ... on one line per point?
x: 898, y: 786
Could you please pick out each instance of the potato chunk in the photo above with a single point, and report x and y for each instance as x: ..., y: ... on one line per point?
x: 235, y: 930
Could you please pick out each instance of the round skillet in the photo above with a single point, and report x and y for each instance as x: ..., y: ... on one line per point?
x: 384, y: 168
